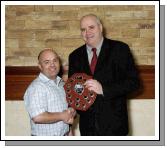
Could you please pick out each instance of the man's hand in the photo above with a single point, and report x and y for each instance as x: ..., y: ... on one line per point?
x: 68, y: 115
x: 72, y: 112
x: 94, y: 85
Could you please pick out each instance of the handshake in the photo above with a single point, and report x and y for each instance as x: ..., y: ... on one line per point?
x: 68, y: 115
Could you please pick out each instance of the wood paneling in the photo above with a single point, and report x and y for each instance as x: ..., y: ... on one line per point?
x: 147, y: 77
x: 17, y: 80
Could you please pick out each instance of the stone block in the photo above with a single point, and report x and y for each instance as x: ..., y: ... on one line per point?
x: 57, y: 34
x: 43, y: 8
x: 12, y: 43
x: 31, y: 43
x: 53, y: 43
x: 123, y: 7
x: 31, y: 24
x: 143, y: 42
x: 147, y: 33
x: 42, y: 35
x: 19, y: 34
x: 60, y: 25
x: 69, y: 42
x: 118, y: 14
x: 131, y: 33
x: 65, y: 7
x: 23, y: 9
x: 15, y: 24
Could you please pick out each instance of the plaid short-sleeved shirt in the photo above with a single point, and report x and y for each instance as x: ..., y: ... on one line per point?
x: 45, y: 95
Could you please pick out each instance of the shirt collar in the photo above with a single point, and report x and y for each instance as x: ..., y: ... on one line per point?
x: 45, y: 79
x: 98, y: 47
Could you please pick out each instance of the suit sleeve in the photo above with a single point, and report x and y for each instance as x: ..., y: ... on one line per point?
x: 127, y: 75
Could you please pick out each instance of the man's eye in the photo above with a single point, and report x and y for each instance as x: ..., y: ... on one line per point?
x: 46, y: 62
x: 92, y: 27
x: 82, y: 30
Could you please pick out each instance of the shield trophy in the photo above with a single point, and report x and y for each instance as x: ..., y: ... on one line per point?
x: 79, y: 97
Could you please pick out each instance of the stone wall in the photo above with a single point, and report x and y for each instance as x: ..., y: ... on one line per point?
x: 31, y: 28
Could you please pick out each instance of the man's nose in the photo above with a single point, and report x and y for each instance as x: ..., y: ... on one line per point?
x: 87, y: 31
x: 52, y: 64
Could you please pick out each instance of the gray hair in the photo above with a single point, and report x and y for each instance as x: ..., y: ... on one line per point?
x: 92, y: 15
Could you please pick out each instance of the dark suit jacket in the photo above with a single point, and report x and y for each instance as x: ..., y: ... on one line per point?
x: 117, y: 73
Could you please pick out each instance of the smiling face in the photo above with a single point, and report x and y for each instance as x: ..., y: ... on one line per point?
x: 91, y: 30
x: 49, y: 63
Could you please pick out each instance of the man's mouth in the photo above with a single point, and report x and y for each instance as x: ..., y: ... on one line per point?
x: 89, y: 37
x: 53, y: 69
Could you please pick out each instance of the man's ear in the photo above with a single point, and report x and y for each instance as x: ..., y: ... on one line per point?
x: 101, y: 27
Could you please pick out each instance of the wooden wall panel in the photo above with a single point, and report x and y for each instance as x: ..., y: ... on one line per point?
x: 17, y: 80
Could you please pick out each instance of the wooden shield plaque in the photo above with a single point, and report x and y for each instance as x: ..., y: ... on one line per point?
x: 79, y: 97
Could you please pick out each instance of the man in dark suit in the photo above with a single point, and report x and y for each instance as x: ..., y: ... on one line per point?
x: 114, y: 76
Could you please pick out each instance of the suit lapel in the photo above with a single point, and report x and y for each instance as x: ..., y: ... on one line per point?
x: 101, y: 59
x: 102, y: 56
x: 85, y: 62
